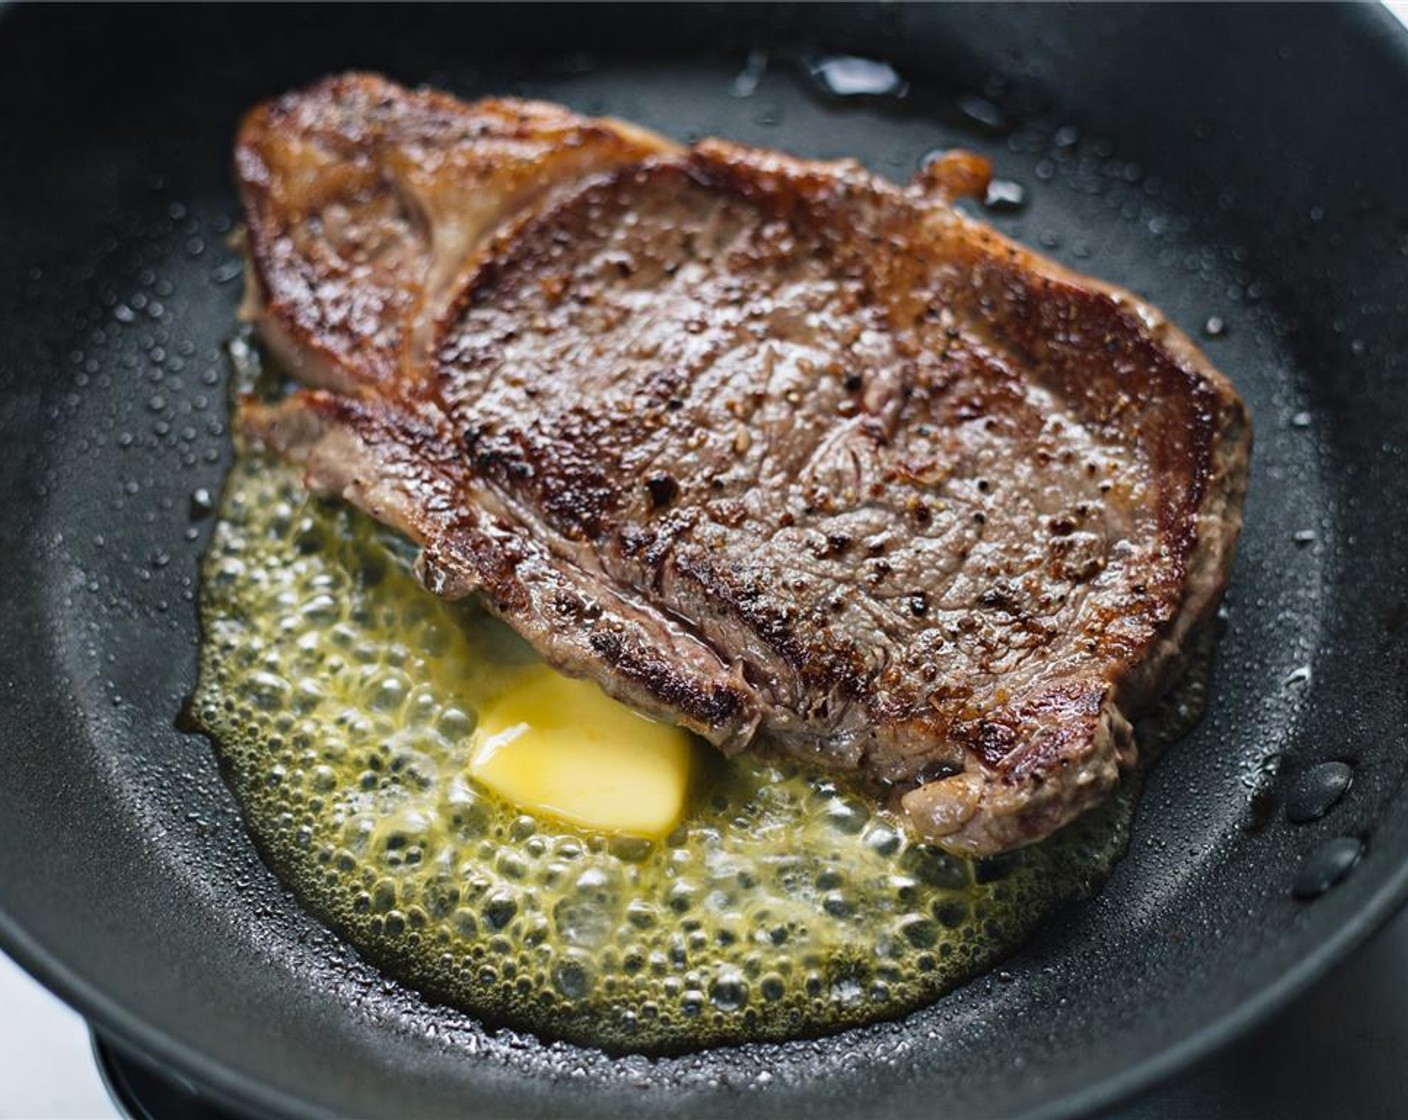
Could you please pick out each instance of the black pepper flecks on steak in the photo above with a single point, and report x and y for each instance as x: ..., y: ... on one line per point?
x: 797, y: 458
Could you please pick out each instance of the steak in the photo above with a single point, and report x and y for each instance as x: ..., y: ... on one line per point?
x: 363, y: 201
x: 804, y: 461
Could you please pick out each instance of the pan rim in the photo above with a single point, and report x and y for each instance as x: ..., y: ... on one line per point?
x: 228, y: 1086
x: 225, y: 1083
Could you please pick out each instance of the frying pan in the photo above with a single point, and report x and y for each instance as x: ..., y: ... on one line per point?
x: 1245, y: 165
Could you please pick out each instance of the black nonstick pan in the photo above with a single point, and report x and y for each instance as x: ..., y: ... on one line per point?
x: 1243, y: 168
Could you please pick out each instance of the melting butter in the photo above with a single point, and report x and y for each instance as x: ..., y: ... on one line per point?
x: 375, y: 737
x: 562, y: 748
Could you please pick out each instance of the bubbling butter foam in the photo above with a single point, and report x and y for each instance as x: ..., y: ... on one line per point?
x: 343, y: 699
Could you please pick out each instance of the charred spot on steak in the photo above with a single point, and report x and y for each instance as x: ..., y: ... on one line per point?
x: 663, y: 490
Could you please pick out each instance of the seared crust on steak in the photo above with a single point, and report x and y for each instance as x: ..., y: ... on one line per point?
x: 365, y: 200
x: 800, y: 459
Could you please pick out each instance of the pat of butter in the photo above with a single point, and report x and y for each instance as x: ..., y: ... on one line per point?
x: 562, y: 747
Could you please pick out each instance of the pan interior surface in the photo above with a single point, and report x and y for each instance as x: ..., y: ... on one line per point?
x: 1259, y: 205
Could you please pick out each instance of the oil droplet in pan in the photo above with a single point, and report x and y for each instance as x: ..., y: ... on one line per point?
x: 1317, y: 791
x: 745, y: 84
x: 983, y: 113
x: 845, y: 75
x: 1326, y: 865
x: 1004, y: 196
